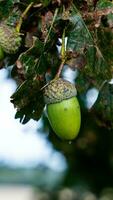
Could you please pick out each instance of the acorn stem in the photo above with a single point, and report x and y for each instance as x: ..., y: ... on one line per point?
x: 60, y: 69
x: 63, y: 56
x: 22, y: 17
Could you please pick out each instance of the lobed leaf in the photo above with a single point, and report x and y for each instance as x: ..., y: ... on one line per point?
x: 28, y: 99
x: 81, y: 41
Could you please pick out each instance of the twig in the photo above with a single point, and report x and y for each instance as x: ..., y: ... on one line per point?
x: 63, y: 55
x: 54, y: 17
x: 22, y: 17
x: 60, y: 69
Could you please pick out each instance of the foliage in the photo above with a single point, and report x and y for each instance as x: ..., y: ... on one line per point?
x: 88, y: 28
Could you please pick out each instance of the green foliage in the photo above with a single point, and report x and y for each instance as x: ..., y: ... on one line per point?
x: 78, y: 35
x: 6, y: 6
x: 31, y: 60
x: 104, y: 4
x: 88, y: 28
x: 28, y: 99
x: 1, y: 54
x: 80, y: 40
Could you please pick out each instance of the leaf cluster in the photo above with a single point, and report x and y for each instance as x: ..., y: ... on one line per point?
x: 88, y: 27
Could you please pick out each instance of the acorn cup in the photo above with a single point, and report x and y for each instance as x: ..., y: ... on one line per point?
x: 63, y: 108
x: 10, y: 39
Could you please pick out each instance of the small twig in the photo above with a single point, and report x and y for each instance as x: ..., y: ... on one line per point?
x: 63, y: 48
x: 103, y: 83
x: 54, y: 17
x: 22, y: 17
x: 44, y: 86
x: 60, y: 69
x: 63, y: 55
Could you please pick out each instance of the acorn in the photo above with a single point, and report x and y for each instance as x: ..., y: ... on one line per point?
x: 63, y: 108
x: 10, y: 39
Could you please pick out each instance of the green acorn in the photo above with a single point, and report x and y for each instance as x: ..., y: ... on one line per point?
x: 63, y: 108
x: 10, y: 39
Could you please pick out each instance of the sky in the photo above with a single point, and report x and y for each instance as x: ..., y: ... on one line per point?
x: 21, y: 145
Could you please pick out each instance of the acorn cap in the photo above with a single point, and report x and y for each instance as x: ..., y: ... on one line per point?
x: 58, y: 90
x: 10, y: 39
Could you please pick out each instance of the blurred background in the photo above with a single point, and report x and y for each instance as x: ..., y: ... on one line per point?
x: 36, y: 165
